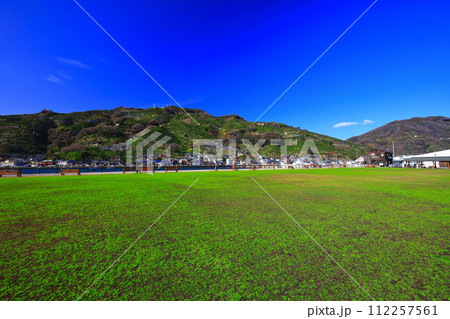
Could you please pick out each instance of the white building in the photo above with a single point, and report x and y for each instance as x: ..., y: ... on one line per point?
x: 360, y: 160
x: 439, y: 159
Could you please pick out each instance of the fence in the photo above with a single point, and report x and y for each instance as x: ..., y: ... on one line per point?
x: 89, y: 170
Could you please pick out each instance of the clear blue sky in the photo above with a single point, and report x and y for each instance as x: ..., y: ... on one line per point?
x: 231, y: 57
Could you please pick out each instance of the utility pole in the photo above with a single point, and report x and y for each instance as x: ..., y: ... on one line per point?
x: 393, y: 149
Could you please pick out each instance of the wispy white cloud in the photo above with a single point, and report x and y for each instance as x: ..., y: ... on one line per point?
x: 58, y: 78
x: 64, y: 75
x: 345, y: 124
x: 53, y: 79
x: 74, y: 63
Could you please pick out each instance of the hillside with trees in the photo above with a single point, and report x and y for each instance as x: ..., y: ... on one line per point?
x: 417, y: 135
x: 101, y: 134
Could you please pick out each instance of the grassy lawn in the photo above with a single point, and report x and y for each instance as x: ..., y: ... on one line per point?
x: 225, y: 239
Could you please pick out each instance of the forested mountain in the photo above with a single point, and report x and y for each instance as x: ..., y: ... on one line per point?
x: 101, y: 134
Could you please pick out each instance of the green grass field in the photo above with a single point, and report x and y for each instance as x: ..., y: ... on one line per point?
x: 225, y: 239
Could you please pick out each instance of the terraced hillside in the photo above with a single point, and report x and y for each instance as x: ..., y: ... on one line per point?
x: 100, y: 134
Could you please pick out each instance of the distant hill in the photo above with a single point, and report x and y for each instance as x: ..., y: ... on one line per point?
x: 101, y: 134
x: 414, y: 136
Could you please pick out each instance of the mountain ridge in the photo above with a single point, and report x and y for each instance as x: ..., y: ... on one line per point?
x: 91, y: 134
x: 416, y: 135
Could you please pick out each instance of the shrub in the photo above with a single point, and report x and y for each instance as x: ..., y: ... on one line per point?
x: 72, y: 148
x: 138, y: 127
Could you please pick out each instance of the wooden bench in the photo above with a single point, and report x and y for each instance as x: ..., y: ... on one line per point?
x: 171, y: 168
x: 290, y: 167
x: 127, y: 169
x: 16, y: 172
x: 148, y: 169
x: 234, y: 168
x: 65, y: 171
x: 373, y: 166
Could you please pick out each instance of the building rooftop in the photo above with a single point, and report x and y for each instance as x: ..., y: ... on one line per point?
x: 443, y: 156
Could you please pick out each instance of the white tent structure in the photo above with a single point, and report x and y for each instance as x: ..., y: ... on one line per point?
x: 439, y: 159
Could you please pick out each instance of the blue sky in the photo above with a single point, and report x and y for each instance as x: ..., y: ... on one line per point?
x: 231, y: 57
